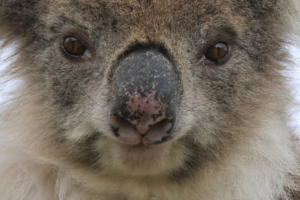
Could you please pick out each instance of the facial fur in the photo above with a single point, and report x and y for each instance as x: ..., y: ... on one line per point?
x: 214, y: 124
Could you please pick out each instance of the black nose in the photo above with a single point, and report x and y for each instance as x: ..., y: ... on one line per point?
x: 143, y: 109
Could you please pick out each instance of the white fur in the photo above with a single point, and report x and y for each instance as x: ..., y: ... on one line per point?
x: 257, y: 168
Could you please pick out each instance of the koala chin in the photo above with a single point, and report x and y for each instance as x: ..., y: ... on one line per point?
x: 148, y: 100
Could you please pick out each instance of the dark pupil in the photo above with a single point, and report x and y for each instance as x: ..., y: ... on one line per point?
x: 219, y: 51
x: 73, y: 40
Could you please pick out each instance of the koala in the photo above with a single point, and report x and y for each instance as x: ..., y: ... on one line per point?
x: 148, y: 100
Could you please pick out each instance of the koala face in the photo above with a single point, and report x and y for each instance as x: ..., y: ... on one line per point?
x: 146, y: 88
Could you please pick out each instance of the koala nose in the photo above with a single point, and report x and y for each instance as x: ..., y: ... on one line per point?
x: 143, y: 109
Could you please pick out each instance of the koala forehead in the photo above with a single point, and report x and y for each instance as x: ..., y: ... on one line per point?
x: 112, y: 26
x: 141, y: 18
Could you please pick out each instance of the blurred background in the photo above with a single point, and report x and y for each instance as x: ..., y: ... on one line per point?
x: 293, y: 74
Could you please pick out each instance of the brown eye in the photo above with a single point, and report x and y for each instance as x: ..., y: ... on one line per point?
x: 219, y: 51
x: 73, y: 47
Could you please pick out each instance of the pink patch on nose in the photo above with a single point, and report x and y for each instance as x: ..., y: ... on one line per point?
x: 144, y: 112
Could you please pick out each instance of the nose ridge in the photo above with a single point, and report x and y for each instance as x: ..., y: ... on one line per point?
x: 143, y: 108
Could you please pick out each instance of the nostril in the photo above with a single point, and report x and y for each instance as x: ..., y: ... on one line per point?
x: 118, y: 123
x: 163, y: 125
x: 124, y: 131
x: 121, y: 124
x: 159, y: 132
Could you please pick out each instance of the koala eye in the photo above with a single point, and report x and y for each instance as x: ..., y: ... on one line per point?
x: 73, y: 47
x: 217, y: 52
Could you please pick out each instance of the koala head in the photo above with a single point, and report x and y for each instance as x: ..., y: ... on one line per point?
x: 143, y: 88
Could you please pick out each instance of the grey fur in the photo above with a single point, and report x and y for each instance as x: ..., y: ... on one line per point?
x: 224, y: 144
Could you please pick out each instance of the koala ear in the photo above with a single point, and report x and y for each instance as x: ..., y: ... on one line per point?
x: 17, y: 17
